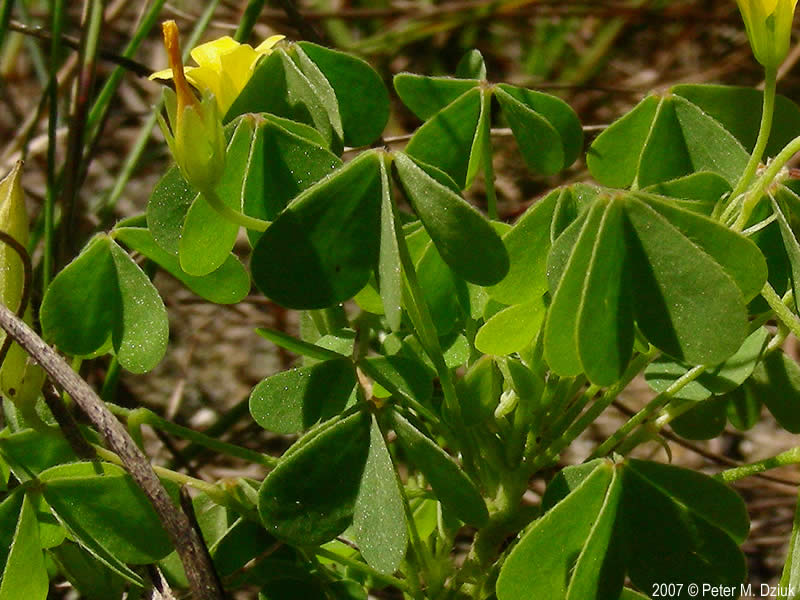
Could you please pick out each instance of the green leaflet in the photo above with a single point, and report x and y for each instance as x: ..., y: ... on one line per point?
x: 463, y: 237
x: 107, y: 514
x: 583, y: 523
x: 321, y: 250
x: 206, y: 238
x: 703, y: 190
x: 738, y: 109
x: 444, y: 291
x: 527, y: 244
x: 547, y: 130
x: 29, y: 452
x: 511, y: 329
x: 390, y: 270
x: 25, y: 574
x: 661, y: 139
x: 792, y: 247
x: 294, y: 400
x: 452, y: 486
x: 362, y: 98
x: 87, y: 574
x: 229, y: 284
x: 682, y: 526
x: 405, y: 374
x: 479, y: 391
x: 776, y: 382
x: 309, y: 498
x: 682, y: 277
x: 426, y: 96
x: 737, y: 255
x: 672, y: 292
x: 379, y: 521
x: 281, y: 88
x: 103, y: 295
x: 656, y: 522
x: 704, y: 421
x: 446, y: 140
x: 471, y: 66
x: 604, y: 327
x: 560, y: 331
x: 270, y: 160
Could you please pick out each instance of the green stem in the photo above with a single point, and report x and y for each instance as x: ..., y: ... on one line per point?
x: 226, y: 421
x: 563, y: 411
x: 105, y: 96
x: 180, y: 478
x: 423, y: 324
x: 5, y: 17
x: 589, y: 417
x: 109, y: 390
x: 782, y: 312
x: 488, y: 166
x: 425, y: 329
x: 370, y: 371
x: 767, y: 111
x: 357, y: 565
x: 231, y: 215
x: 764, y: 180
x: 48, y: 251
x: 36, y: 56
x: 489, y: 538
x: 566, y: 414
x: 248, y: 20
x: 328, y: 320
x: 790, y: 457
x: 76, y: 162
x: 143, y: 416
x: 654, y: 405
x: 611, y: 393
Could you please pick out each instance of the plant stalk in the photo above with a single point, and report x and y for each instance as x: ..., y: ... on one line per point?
x: 184, y: 538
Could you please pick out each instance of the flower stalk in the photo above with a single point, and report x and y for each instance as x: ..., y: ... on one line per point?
x: 195, y: 134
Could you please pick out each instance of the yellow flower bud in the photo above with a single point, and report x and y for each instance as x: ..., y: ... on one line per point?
x: 769, y: 27
x: 195, y: 136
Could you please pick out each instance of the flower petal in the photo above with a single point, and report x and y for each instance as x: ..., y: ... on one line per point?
x: 238, y: 65
x: 208, y: 79
x: 266, y: 46
x: 207, y: 55
x: 162, y: 74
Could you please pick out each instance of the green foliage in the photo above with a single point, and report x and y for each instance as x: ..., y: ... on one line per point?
x: 309, y: 498
x: 25, y: 574
x: 331, y: 228
x: 447, y: 358
x: 643, y: 518
x: 452, y: 487
x: 103, y: 298
x: 295, y: 400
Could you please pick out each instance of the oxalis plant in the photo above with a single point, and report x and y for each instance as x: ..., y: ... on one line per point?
x: 445, y: 359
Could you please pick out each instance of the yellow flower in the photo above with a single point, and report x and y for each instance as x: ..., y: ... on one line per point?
x: 194, y: 135
x: 225, y: 67
x: 769, y: 27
